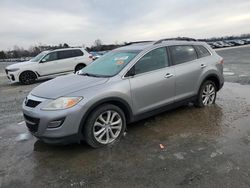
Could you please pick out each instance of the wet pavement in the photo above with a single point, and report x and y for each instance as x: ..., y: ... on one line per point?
x: 237, y: 64
x: 185, y: 147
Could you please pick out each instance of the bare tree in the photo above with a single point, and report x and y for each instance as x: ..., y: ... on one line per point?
x: 98, y: 44
x: 2, y: 55
x: 65, y: 45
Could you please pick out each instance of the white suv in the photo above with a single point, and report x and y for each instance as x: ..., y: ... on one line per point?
x: 49, y: 63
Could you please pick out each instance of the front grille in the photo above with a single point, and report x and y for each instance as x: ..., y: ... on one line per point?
x: 32, y: 123
x: 32, y: 104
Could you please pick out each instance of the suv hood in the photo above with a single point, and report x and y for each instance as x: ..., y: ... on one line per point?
x: 19, y: 65
x: 64, y: 85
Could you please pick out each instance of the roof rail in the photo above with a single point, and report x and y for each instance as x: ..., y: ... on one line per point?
x: 138, y: 42
x: 178, y: 38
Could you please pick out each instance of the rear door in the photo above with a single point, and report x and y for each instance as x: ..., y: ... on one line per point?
x: 80, y: 57
x: 68, y: 60
x: 187, y: 70
x: 153, y: 84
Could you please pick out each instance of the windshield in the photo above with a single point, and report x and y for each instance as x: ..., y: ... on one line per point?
x: 39, y: 56
x: 110, y: 64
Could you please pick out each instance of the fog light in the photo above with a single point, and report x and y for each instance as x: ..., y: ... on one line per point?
x: 56, y: 123
x: 12, y: 77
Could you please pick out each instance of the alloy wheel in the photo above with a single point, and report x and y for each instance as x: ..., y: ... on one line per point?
x: 208, y: 94
x: 107, y: 127
x: 27, y: 77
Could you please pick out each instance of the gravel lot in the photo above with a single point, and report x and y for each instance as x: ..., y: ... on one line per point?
x: 186, y: 147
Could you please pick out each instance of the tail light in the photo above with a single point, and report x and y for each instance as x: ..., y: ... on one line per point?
x: 91, y: 57
x: 221, y: 61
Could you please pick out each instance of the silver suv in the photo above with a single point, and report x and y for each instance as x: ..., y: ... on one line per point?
x: 125, y: 85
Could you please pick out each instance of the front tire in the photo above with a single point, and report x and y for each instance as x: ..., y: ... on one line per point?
x: 207, y: 94
x: 79, y: 67
x: 104, y: 126
x: 27, y: 77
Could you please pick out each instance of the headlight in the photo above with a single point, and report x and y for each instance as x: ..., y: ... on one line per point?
x: 13, y: 70
x: 62, y: 103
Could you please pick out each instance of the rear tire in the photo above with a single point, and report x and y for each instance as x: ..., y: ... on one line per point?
x: 207, y: 94
x: 27, y: 77
x: 104, y: 126
x: 79, y: 67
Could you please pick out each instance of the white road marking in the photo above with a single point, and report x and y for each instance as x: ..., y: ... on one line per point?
x: 229, y: 73
x: 243, y: 75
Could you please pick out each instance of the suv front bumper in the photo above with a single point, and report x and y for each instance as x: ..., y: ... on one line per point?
x: 66, y: 123
x: 12, y: 76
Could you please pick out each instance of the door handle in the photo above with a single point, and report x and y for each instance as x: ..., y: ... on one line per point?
x: 169, y: 75
x: 203, y: 66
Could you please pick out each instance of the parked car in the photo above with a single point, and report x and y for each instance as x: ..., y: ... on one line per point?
x: 246, y: 41
x: 230, y: 43
x: 211, y: 44
x: 224, y: 44
x: 48, y: 64
x: 97, y: 55
x: 217, y: 45
x: 123, y: 86
x: 236, y: 42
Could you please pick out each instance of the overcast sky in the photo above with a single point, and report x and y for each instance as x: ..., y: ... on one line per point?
x: 30, y: 22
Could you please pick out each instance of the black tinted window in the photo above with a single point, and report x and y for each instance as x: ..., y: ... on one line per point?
x: 77, y: 53
x: 202, y: 51
x: 69, y: 54
x: 156, y: 59
x: 65, y: 54
x: 50, y: 57
x: 182, y: 54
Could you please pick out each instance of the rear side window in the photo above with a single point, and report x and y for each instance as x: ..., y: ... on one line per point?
x: 156, y: 59
x: 69, y: 54
x: 65, y: 54
x: 77, y: 53
x: 202, y: 51
x: 182, y: 54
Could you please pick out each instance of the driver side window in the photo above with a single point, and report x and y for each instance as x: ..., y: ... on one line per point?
x: 156, y: 59
x: 50, y: 57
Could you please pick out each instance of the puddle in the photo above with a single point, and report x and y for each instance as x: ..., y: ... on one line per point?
x: 23, y: 137
x: 215, y: 154
x: 21, y: 123
x: 180, y: 155
x: 183, y: 140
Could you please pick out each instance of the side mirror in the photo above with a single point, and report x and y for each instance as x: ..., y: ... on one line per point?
x: 131, y: 72
x: 43, y: 60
